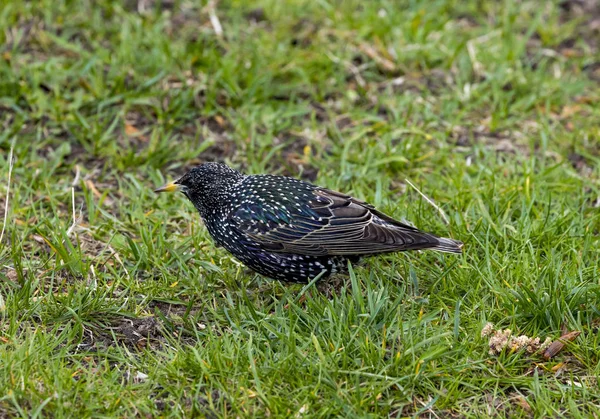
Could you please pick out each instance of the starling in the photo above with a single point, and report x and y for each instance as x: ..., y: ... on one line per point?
x: 292, y: 230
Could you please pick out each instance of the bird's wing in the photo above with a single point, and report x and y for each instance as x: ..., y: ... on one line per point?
x: 327, y: 223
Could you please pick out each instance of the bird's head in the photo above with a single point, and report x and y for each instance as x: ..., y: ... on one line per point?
x: 207, y: 185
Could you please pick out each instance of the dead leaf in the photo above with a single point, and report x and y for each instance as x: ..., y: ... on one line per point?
x: 570, y: 110
x: 373, y: 54
x: 570, y: 52
x: 131, y: 131
x: 142, y: 343
x: 564, y: 327
x: 522, y: 401
x: 11, y: 275
x: 558, y: 345
x: 93, y: 188
x: 219, y: 119
x: 588, y: 100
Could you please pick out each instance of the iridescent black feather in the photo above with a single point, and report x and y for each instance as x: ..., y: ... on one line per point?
x: 291, y: 230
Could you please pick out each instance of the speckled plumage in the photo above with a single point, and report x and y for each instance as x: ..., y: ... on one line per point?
x: 291, y: 230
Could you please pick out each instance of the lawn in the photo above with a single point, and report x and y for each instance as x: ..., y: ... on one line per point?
x: 114, y: 302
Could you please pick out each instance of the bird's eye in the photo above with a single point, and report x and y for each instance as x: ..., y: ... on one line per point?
x: 185, y: 190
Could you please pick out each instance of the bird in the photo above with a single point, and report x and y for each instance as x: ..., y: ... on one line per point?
x: 292, y: 230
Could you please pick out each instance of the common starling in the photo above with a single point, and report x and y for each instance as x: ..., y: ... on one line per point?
x: 292, y: 230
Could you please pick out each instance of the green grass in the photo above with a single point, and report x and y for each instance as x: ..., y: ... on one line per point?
x: 488, y: 107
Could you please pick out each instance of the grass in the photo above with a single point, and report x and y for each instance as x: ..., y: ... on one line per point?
x: 114, y: 301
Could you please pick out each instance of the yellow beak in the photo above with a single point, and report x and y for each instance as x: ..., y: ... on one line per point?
x: 169, y: 187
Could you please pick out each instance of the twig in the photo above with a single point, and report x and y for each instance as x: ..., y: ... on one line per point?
x: 76, y: 220
x: 74, y: 225
x: 77, y: 176
x: 91, y: 280
x: 214, y: 19
x: 10, y: 168
x: 351, y: 67
x: 116, y: 255
x: 373, y: 54
x: 433, y: 204
x: 477, y: 67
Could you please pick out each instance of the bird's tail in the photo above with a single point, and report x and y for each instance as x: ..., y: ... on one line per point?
x: 448, y: 245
